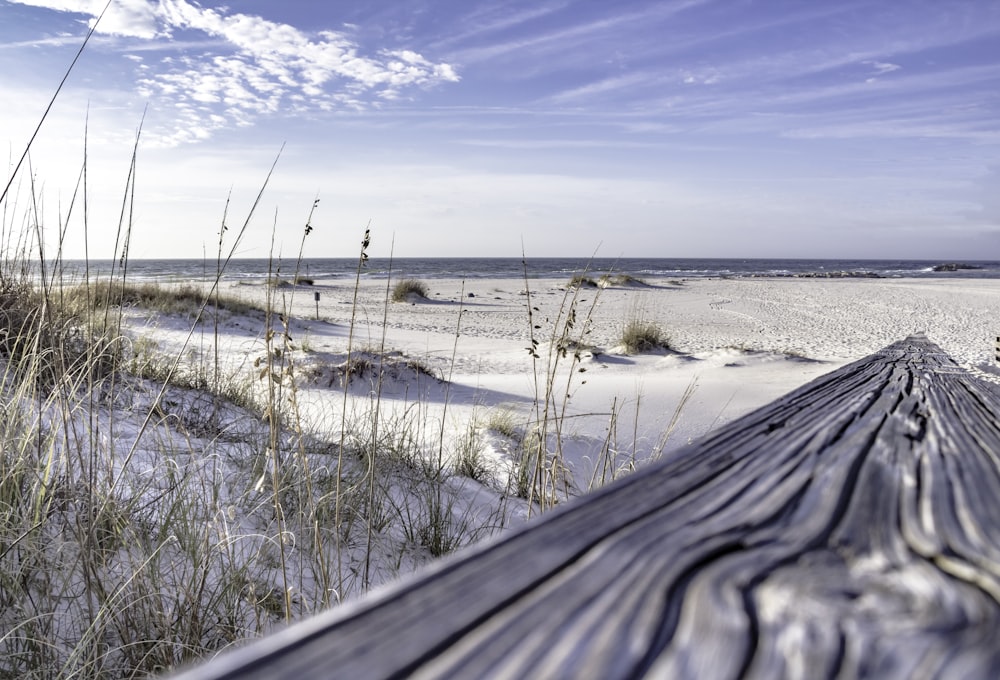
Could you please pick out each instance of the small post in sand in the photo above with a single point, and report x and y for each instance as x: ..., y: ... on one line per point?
x: 316, y: 298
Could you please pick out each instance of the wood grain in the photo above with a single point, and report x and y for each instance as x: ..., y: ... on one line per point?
x: 849, y: 529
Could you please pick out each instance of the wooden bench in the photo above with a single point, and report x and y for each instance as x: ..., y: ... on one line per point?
x: 849, y: 529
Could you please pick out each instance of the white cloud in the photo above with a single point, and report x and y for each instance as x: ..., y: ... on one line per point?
x: 880, y: 68
x: 883, y: 67
x: 131, y: 18
x: 252, y: 66
x: 282, y: 49
x: 709, y: 76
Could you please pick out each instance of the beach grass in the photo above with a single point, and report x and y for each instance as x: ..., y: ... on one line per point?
x: 170, y: 487
x: 408, y: 290
x: 161, y: 502
x: 581, y: 281
x: 157, y: 508
x: 165, y: 496
x: 608, y: 280
x: 639, y: 336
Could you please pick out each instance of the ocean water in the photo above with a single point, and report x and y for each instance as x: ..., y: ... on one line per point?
x: 535, y: 268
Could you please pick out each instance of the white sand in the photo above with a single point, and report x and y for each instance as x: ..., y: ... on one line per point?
x: 195, y: 472
x: 739, y: 344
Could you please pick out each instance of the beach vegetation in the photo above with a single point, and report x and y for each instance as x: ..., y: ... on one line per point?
x: 640, y: 336
x: 797, y: 355
x: 503, y: 421
x: 161, y: 504
x: 557, y: 349
x: 409, y: 290
x: 581, y: 281
x: 374, y: 366
x: 162, y: 500
x: 470, y: 456
x: 185, y: 299
x: 276, y: 281
x: 609, y: 280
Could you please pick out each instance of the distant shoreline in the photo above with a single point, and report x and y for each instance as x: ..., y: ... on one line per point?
x: 540, y: 267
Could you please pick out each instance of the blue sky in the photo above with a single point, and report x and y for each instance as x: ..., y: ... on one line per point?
x: 726, y: 128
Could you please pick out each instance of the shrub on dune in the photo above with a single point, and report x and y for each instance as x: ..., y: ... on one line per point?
x: 640, y: 336
x: 581, y: 281
x: 624, y: 280
x: 409, y: 290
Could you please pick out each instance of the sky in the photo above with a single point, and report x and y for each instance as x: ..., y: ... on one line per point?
x: 659, y: 128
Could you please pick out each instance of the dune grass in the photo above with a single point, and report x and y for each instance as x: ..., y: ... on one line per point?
x: 639, y: 336
x: 407, y: 290
x: 581, y: 281
x: 153, y: 513
x: 609, y: 280
x: 161, y: 506
x: 157, y: 507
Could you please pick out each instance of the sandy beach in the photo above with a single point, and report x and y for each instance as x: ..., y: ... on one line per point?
x: 735, y: 344
x: 286, y: 461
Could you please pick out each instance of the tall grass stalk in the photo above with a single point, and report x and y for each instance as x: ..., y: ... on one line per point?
x: 371, y: 471
x: 549, y: 479
x: 338, y: 509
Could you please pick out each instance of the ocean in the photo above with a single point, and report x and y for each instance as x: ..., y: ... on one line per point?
x: 535, y: 268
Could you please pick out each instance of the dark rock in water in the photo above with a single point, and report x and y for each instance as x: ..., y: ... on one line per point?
x: 954, y: 267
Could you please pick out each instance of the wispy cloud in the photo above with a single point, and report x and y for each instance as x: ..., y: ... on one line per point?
x: 249, y: 66
x: 576, y: 35
x: 59, y: 41
x: 881, y: 67
x: 606, y: 86
x: 496, y: 19
x: 897, y: 128
x: 534, y: 144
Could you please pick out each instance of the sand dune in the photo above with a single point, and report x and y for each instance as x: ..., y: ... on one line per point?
x: 736, y: 344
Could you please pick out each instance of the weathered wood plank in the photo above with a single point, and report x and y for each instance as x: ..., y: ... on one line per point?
x: 851, y: 529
